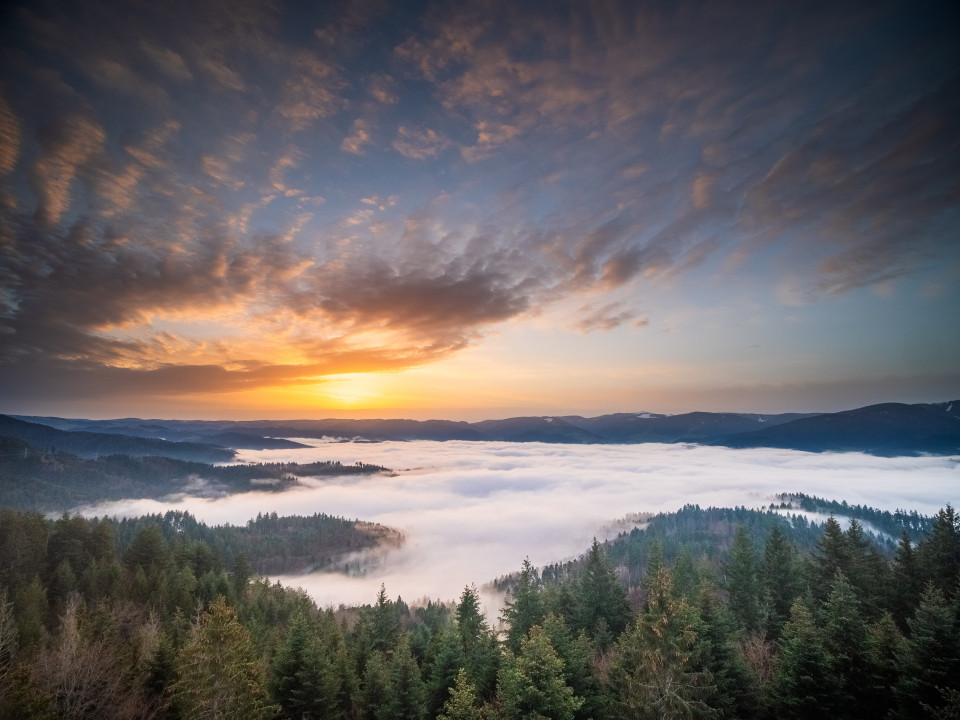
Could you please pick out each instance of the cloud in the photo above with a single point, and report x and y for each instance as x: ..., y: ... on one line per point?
x: 9, y: 138
x: 66, y: 147
x: 607, y: 318
x: 471, y: 512
x: 587, y: 157
x: 311, y: 91
x: 358, y: 137
x: 420, y: 143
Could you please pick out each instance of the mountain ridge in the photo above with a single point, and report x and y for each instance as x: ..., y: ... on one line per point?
x: 881, y: 429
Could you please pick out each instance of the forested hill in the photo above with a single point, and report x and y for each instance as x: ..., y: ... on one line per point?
x: 883, y: 429
x: 58, y: 481
x: 146, y: 620
x: 93, y: 444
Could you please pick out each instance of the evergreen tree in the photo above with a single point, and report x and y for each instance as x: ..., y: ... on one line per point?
x: 601, y: 608
x: 845, y: 639
x: 718, y: 653
x: 906, y: 584
x: 481, y: 650
x: 939, y: 555
x: 930, y: 659
x: 525, y: 607
x: 884, y: 646
x: 577, y: 654
x: 462, y: 703
x: 531, y: 685
x: 742, y: 582
x: 867, y: 571
x: 218, y: 676
x: 780, y: 578
x: 829, y: 558
x: 304, y: 680
x: 406, y: 696
x: 655, y: 671
x: 446, y: 662
x: 804, y: 685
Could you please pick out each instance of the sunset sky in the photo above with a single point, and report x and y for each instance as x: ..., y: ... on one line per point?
x: 243, y: 209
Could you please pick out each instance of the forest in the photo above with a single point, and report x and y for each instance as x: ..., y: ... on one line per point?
x: 54, y: 480
x: 704, y: 613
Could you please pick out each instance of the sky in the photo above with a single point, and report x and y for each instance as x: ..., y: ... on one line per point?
x: 483, y: 208
x: 472, y: 511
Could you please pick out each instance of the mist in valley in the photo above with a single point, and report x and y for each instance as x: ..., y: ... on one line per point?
x: 472, y: 511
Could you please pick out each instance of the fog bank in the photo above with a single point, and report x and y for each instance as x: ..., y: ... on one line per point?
x: 472, y: 511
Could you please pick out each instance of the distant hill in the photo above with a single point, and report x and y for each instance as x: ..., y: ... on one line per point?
x: 93, y: 444
x: 886, y: 429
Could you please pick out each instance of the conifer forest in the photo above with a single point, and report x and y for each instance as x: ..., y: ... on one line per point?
x: 702, y: 613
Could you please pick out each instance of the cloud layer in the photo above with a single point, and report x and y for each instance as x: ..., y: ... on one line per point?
x: 230, y: 196
x: 473, y: 511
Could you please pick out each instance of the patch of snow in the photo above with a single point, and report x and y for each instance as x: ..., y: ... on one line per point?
x: 644, y: 416
x: 950, y: 407
x: 549, y: 419
x: 760, y: 419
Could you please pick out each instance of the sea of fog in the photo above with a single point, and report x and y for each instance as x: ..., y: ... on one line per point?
x: 472, y: 511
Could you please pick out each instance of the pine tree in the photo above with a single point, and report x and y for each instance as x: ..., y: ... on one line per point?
x: 481, y: 650
x: 577, y: 654
x: 930, y: 659
x: 218, y: 676
x: 830, y: 557
x: 304, y: 681
x: 742, y: 582
x: 525, y: 607
x: 406, y: 696
x: 656, y: 671
x: 845, y: 639
x: 531, y: 685
x: 780, y: 579
x: 884, y: 646
x: 446, y: 662
x: 906, y: 584
x: 939, y: 555
x: 602, y: 609
x: 804, y: 685
x: 462, y: 703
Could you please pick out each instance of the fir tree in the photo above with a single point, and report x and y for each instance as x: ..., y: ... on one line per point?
x: 525, y: 607
x: 930, y: 659
x: 462, y: 703
x: 804, y: 685
x: 742, y: 582
x: 602, y: 609
x: 655, y: 671
x: 218, y: 676
x: 532, y: 685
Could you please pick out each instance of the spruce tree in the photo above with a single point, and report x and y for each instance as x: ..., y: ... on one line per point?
x: 602, y: 609
x: 531, y: 685
x: 845, y: 639
x: 804, y: 685
x: 462, y: 703
x: 218, y: 675
x: 930, y: 659
x: 742, y: 582
x: 524, y: 609
x: 406, y: 696
x: 656, y: 670
x: 780, y: 579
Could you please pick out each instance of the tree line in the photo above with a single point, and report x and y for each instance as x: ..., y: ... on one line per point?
x: 158, y: 626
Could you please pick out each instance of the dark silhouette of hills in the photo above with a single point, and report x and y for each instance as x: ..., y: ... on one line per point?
x: 885, y: 429
x: 93, y: 444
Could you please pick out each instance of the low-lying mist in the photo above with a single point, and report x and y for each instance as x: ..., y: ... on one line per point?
x: 472, y: 511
